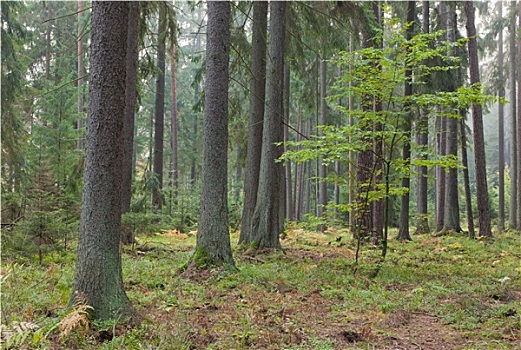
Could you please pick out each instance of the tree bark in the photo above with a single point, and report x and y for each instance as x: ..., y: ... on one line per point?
x: 213, y: 238
x: 477, y: 121
x: 290, y: 203
x: 159, y: 127
x: 130, y: 111
x: 80, y: 75
x: 265, y: 223
x: 518, y: 153
x: 466, y: 179
x: 255, y: 124
x: 451, y: 220
x: 512, y: 217
x: 98, y: 276
x: 441, y: 141
x: 322, y: 170
x: 403, y: 232
x: 501, y: 127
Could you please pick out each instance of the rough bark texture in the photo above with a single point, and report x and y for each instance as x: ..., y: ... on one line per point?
x: 80, y: 75
x: 322, y: 170
x: 265, y: 223
x: 477, y: 121
x: 213, y: 238
x: 451, y: 220
x: 257, y: 99
x: 466, y: 179
x: 98, y: 268
x: 130, y: 111
x: 501, y: 128
x: 512, y: 219
x: 403, y: 232
x: 159, y: 120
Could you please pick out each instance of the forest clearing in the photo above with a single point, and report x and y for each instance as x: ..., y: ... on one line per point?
x: 265, y: 175
x: 445, y: 292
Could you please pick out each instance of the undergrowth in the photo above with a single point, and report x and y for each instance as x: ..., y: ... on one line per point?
x: 434, y: 292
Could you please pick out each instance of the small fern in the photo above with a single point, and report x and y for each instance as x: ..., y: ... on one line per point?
x: 78, y: 318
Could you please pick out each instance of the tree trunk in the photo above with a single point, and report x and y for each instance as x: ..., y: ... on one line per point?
x: 265, y: 222
x: 441, y: 141
x: 80, y: 75
x: 98, y: 269
x: 255, y: 124
x: 512, y: 219
x: 466, y: 179
x: 213, y: 238
x: 518, y: 153
x: 130, y: 111
x: 322, y: 170
x: 174, y: 143
x: 501, y: 127
x: 159, y: 127
x: 290, y: 203
x: 477, y: 121
x: 403, y: 233
x: 451, y: 220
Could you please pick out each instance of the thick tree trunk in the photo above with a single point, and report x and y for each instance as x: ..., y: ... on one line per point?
x: 512, y: 218
x: 98, y: 269
x: 213, y: 238
x: 322, y: 170
x: 159, y: 123
x: 477, y: 121
x: 255, y: 124
x: 130, y: 111
x: 403, y: 233
x: 265, y: 221
x: 466, y: 179
x: 451, y: 220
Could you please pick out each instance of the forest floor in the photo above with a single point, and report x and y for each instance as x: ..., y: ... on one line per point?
x: 433, y: 293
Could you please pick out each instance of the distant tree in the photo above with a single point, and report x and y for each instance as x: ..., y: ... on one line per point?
x: 213, y: 238
x: 265, y: 223
x: 159, y: 120
x: 255, y: 123
x: 98, y: 269
x: 501, y: 125
x: 477, y: 122
x: 130, y: 111
x: 512, y: 217
x: 80, y: 74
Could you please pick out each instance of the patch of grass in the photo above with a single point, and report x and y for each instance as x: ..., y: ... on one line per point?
x: 467, y: 292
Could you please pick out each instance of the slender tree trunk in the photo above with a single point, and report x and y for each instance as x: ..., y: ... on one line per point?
x: 518, y: 153
x: 174, y: 142
x: 98, y: 268
x: 512, y: 218
x: 130, y: 112
x: 501, y: 128
x: 159, y: 127
x: 48, y: 42
x: 477, y: 121
x: 403, y: 233
x: 255, y: 124
x: 80, y: 75
x: 322, y: 171
x: 451, y: 218
x: 265, y: 221
x: 422, y: 138
x: 299, y: 181
x: 466, y: 179
x: 290, y: 203
x: 213, y: 238
x: 441, y: 138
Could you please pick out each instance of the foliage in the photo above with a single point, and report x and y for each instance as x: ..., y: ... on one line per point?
x: 304, y: 298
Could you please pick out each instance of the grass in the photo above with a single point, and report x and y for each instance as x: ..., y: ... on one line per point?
x: 436, y: 292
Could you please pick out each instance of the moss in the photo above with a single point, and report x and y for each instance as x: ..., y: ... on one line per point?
x: 201, y: 258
